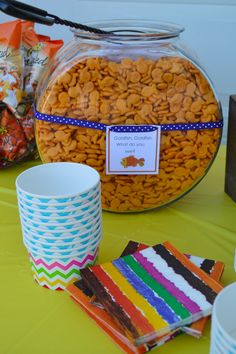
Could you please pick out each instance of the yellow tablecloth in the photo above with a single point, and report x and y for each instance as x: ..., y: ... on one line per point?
x: 34, y: 320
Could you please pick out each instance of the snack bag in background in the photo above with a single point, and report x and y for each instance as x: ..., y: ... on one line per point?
x: 11, y: 64
x: 38, y: 51
x: 18, y: 39
x: 25, y: 109
x: 13, y: 142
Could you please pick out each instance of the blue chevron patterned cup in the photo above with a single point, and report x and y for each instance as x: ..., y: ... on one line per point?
x: 60, y: 254
x: 61, y: 210
x: 61, y: 237
x: 79, y: 226
x: 54, y: 246
x: 68, y: 248
x: 61, y: 218
x: 78, y: 212
x: 77, y: 201
x: 59, y: 223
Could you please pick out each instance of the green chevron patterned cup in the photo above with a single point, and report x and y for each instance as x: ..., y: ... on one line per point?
x: 57, y: 274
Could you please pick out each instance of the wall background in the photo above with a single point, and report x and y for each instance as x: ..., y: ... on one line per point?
x: 210, y: 28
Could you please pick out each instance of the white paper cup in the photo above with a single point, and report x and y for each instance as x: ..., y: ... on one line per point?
x: 77, y: 213
x: 82, y: 237
x: 61, y: 245
x: 29, y: 225
x: 62, y: 237
x: 58, y: 253
x: 61, y: 241
x: 223, y: 330
x: 64, y: 259
x: 220, y: 345
x: 52, y: 203
x: 62, y: 254
x: 54, y: 221
x: 60, y: 208
x: 75, y: 198
x: 65, y: 212
x: 58, y: 181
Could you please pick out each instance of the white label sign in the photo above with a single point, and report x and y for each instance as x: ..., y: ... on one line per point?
x: 132, y: 152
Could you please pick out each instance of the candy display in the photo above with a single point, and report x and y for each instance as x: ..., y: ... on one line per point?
x: 85, y: 298
x: 109, y: 84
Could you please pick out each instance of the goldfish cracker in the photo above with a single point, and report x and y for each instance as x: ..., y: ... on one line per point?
x: 166, y: 90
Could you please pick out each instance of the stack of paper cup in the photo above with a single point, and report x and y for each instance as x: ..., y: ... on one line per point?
x: 60, y: 213
x: 223, y: 328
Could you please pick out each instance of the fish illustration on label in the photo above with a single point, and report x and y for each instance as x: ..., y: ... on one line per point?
x: 132, y: 161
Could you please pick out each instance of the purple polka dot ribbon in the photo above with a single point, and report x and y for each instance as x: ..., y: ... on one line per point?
x: 126, y: 128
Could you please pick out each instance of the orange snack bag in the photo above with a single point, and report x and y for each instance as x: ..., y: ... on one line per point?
x: 11, y: 64
x: 38, y: 50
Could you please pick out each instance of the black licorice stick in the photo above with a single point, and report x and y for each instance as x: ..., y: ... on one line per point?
x: 31, y: 13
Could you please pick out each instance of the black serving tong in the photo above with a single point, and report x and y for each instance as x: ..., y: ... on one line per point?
x: 31, y: 13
